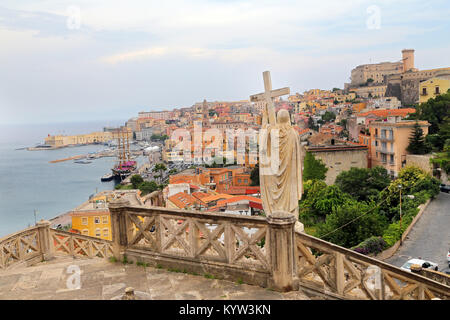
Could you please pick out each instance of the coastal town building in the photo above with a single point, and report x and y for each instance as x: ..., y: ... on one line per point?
x: 376, y: 72
x: 218, y: 179
x: 358, y: 124
x: 374, y: 91
x: 161, y: 115
x: 338, y: 155
x: 432, y: 88
x: 389, y: 140
x: 90, y: 138
x: 92, y: 218
x: 393, y: 79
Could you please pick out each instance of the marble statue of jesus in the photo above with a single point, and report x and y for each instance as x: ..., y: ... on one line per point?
x: 280, y: 159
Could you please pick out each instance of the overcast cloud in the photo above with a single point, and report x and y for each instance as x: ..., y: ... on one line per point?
x: 121, y: 57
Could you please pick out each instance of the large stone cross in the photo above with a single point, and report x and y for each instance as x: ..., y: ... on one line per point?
x: 268, y: 96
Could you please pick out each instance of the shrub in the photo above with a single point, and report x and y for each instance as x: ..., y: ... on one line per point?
x: 371, y: 245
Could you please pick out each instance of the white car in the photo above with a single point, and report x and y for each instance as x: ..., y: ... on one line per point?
x: 420, y: 262
x: 448, y: 258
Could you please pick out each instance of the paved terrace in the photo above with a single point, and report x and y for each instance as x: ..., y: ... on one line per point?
x: 287, y: 261
x: 105, y: 280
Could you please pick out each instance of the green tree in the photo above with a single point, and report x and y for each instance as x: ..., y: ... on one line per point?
x: 147, y: 187
x: 157, y: 137
x: 159, y: 167
x: 319, y: 200
x: 435, y: 110
x: 328, y: 116
x: 352, y: 223
x: 417, y: 143
x: 254, y: 176
x: 413, y: 181
x: 313, y: 169
x: 136, y: 180
x: 311, y: 124
x: 363, y: 183
x: 443, y: 158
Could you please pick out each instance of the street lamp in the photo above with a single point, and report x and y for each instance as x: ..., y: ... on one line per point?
x: 35, y: 216
x: 401, y: 237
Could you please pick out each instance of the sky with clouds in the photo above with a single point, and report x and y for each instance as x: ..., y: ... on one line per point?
x: 109, y: 59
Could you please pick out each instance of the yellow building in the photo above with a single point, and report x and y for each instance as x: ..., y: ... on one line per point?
x: 92, y: 218
x: 432, y: 88
x: 358, y: 107
x: 93, y: 223
x: 345, y: 97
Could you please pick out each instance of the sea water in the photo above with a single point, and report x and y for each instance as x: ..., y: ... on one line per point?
x: 28, y: 182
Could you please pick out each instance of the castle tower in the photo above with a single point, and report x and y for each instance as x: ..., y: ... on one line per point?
x: 408, y: 59
x: 205, y: 111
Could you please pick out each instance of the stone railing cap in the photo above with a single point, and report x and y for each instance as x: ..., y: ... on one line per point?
x: 117, y: 203
x: 43, y: 223
x: 281, y: 217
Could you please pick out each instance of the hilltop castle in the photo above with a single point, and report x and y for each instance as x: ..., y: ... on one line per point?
x: 393, y: 79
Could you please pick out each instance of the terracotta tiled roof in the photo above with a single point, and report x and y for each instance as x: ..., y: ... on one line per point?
x: 215, y: 197
x: 238, y: 198
x: 388, y: 112
x: 200, y: 195
x: 183, y: 200
x: 241, y: 190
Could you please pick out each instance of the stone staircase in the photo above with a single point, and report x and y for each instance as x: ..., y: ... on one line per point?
x: 101, y: 279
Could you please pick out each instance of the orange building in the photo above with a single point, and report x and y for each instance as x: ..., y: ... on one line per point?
x: 218, y: 179
x: 389, y: 141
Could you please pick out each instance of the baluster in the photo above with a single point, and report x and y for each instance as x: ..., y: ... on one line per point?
x: 194, y: 238
x: 230, y: 242
x: 2, y: 257
x: 339, y: 269
x: 18, y: 249
x: 71, y: 246
x: 158, y: 233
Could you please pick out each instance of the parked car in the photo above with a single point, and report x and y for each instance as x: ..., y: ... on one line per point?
x: 448, y: 258
x: 445, y: 188
x: 420, y: 262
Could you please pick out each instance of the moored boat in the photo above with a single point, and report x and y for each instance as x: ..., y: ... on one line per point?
x: 82, y: 161
x: 107, y: 177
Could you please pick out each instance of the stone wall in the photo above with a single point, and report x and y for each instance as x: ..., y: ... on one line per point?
x: 421, y: 161
x: 410, y: 91
x: 338, y: 161
x: 394, y: 90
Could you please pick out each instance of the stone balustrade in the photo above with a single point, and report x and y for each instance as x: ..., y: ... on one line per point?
x: 41, y: 243
x: 23, y: 247
x: 229, y: 246
x: 342, y: 273
x: 255, y: 250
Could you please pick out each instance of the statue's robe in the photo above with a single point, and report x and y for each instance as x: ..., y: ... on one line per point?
x: 281, y: 189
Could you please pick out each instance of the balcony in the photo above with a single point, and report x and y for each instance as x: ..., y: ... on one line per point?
x: 385, y: 151
x: 385, y: 138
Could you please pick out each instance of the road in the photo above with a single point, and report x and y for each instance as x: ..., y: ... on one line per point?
x: 430, y: 237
